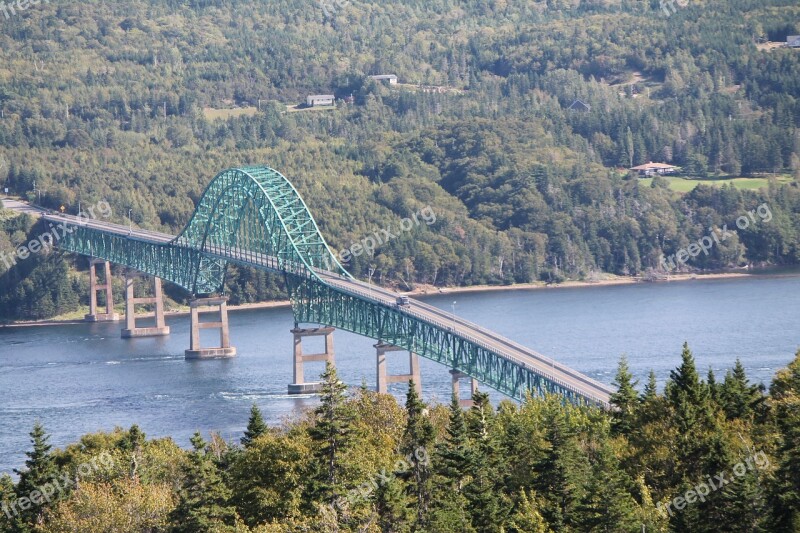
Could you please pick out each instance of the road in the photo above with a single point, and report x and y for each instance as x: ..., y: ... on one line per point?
x: 506, y: 348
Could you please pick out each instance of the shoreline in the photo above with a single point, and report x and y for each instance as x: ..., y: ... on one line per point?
x: 609, y: 280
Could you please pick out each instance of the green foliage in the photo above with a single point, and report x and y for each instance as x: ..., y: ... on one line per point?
x: 331, y: 436
x: 40, y: 468
x: 625, y: 400
x: 417, y: 440
x: 255, y: 427
x: 127, y: 109
x: 204, y: 504
x: 543, y: 466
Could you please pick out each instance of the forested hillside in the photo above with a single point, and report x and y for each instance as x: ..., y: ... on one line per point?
x: 130, y: 102
x: 704, y: 456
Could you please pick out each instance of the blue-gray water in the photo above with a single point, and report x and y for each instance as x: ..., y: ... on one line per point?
x: 83, y: 378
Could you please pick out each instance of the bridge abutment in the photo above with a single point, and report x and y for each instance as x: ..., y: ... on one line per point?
x: 94, y: 286
x: 384, y: 378
x: 300, y: 386
x: 457, y: 377
x: 130, y: 330
x: 210, y: 305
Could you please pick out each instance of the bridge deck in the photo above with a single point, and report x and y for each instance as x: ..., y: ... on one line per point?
x: 503, y: 347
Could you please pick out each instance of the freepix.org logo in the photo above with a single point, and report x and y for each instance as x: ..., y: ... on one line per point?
x: 368, y: 244
x: 49, y: 238
x: 10, y: 9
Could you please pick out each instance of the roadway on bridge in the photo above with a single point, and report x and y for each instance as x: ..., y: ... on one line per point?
x: 521, y: 355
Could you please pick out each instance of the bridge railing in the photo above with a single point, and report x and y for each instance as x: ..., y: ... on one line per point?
x: 502, y: 353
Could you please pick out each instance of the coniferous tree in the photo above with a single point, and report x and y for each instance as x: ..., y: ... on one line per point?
x: 651, y: 388
x: 204, y: 504
x: 255, y: 426
x: 625, y: 399
x: 527, y: 518
x: 416, y: 447
x: 452, y: 463
x: 484, y: 492
x: 331, y: 436
x: 40, y: 468
x: 608, y: 504
x: 738, y: 397
x: 393, y: 507
x: 785, y: 501
x: 563, y: 470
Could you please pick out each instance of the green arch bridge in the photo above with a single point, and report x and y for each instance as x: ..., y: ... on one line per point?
x: 254, y: 217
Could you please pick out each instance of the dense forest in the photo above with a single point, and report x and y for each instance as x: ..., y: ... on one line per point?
x: 700, y: 456
x: 141, y: 103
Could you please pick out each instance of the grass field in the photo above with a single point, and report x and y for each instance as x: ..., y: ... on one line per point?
x: 679, y: 184
x: 212, y: 114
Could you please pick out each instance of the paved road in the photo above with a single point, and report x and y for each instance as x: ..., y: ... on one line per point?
x: 506, y: 348
x: 22, y: 207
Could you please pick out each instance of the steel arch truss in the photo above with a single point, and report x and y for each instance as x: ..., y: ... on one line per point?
x: 254, y: 217
x: 254, y: 214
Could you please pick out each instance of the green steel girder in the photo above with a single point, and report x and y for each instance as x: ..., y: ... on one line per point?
x: 320, y: 303
x: 254, y: 216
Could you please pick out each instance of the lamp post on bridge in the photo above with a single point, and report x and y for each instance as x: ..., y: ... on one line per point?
x: 454, y: 317
x: 130, y: 222
x: 369, y: 279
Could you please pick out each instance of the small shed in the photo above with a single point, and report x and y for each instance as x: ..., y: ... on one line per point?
x: 793, y: 41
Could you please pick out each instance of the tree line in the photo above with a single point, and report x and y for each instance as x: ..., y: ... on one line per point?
x: 714, y: 454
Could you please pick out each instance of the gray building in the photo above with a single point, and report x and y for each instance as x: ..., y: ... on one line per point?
x: 316, y: 100
x: 391, y: 79
x: 793, y: 41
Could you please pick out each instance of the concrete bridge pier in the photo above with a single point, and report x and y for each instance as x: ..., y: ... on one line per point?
x: 130, y: 330
x: 384, y: 378
x: 300, y: 386
x: 94, y: 286
x: 210, y: 305
x: 457, y: 377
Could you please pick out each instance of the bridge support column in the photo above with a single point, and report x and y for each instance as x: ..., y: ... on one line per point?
x: 457, y: 377
x: 94, y: 286
x: 130, y: 330
x: 300, y: 386
x: 210, y: 305
x: 384, y: 378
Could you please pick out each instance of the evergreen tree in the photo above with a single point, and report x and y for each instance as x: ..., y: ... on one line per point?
x: 625, y: 399
x: 452, y: 465
x: 416, y: 446
x: 453, y: 454
x: 331, y: 436
x: 40, y: 468
x: 738, y: 397
x: 785, y: 391
x: 651, y: 388
x: 608, y: 504
x: 527, y: 518
x: 713, y: 387
x: 562, y: 471
x: 204, y: 499
x: 484, y: 492
x: 393, y: 507
x: 7, y: 495
x: 255, y: 427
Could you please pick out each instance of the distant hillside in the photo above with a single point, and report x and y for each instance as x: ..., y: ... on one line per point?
x: 141, y: 103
